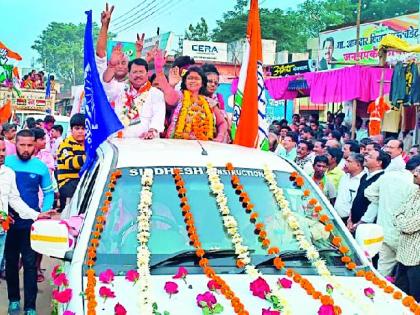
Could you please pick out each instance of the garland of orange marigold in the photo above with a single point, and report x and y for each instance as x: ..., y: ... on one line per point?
x: 236, y: 303
x: 407, y: 301
x: 195, y: 118
x: 94, y: 244
x: 265, y: 243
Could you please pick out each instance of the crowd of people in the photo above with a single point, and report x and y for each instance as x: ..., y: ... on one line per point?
x: 367, y: 180
x: 38, y: 81
x: 39, y: 173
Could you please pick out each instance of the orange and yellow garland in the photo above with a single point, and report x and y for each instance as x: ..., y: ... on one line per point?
x: 195, y: 119
x: 94, y: 244
x: 265, y: 243
x: 407, y: 301
x: 236, y: 303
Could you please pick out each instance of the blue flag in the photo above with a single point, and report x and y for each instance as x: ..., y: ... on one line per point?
x: 101, y: 120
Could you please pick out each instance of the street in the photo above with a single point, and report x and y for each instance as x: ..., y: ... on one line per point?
x: 44, y: 290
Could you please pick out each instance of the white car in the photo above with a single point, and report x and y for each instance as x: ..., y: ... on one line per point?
x: 169, y: 242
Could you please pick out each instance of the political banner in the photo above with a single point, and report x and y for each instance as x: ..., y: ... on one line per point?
x: 293, y: 68
x: 340, y: 45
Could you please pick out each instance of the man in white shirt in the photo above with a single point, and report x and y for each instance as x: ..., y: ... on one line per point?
x: 348, y: 147
x: 287, y: 149
x: 139, y: 106
x: 395, y: 149
x: 349, y: 184
x: 9, y: 195
x: 386, y: 195
x: 303, y: 158
x: 118, y: 60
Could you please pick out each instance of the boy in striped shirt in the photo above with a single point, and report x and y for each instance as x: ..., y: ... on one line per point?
x: 70, y: 158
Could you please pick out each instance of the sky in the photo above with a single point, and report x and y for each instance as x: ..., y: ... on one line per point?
x: 24, y: 20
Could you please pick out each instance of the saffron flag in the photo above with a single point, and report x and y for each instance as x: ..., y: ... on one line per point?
x: 101, y: 120
x: 6, y: 52
x: 249, y: 124
x: 6, y: 111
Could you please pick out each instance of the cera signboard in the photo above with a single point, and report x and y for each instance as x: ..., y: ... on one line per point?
x: 208, y: 51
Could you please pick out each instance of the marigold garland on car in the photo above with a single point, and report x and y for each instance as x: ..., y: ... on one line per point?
x: 237, y: 305
x: 277, y: 262
x: 94, y: 244
x: 231, y: 226
x: 369, y: 276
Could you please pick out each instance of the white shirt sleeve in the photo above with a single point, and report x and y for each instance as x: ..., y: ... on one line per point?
x: 101, y: 65
x: 343, y: 203
x: 24, y: 211
x: 372, y: 191
x: 331, y: 190
x: 371, y: 213
x: 113, y: 91
x: 158, y: 111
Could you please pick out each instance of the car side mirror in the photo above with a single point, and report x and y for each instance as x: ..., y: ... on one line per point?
x: 370, y: 237
x: 51, y: 238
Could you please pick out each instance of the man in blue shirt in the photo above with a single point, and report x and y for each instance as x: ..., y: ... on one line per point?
x: 31, y: 175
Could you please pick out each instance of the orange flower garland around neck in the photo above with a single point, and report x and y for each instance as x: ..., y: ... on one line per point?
x: 94, y: 244
x: 265, y: 243
x: 408, y: 301
x: 236, y: 303
x: 195, y: 120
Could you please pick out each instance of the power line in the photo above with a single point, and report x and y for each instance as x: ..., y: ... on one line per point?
x: 134, y: 13
x: 129, y: 23
x: 152, y: 13
x: 142, y: 19
x: 165, y: 13
x: 127, y: 12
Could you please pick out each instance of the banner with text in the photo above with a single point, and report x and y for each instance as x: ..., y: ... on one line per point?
x: 293, y: 68
x: 340, y: 45
x: 208, y: 51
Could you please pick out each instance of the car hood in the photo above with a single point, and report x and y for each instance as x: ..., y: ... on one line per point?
x: 184, y: 302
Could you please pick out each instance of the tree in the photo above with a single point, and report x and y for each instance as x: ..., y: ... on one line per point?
x: 383, y: 9
x: 198, y: 32
x: 292, y: 28
x: 317, y: 16
x: 60, y: 49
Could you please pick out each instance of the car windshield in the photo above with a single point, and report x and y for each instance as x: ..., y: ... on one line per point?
x: 168, y: 237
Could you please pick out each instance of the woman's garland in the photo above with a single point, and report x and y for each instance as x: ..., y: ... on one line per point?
x: 326, y: 300
x: 408, y: 301
x: 195, y: 118
x: 143, y: 253
x: 94, y: 244
x: 231, y: 226
x: 311, y: 252
x: 237, y: 305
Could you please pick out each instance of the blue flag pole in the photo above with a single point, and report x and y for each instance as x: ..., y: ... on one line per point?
x: 101, y: 120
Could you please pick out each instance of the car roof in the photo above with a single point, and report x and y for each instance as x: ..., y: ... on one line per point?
x: 132, y: 152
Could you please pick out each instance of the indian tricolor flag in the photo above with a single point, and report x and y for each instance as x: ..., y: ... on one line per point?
x: 249, y: 124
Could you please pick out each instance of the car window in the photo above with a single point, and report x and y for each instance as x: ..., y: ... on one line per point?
x: 86, y: 193
x: 118, y: 244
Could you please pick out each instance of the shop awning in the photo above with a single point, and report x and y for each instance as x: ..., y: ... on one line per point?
x: 341, y: 85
